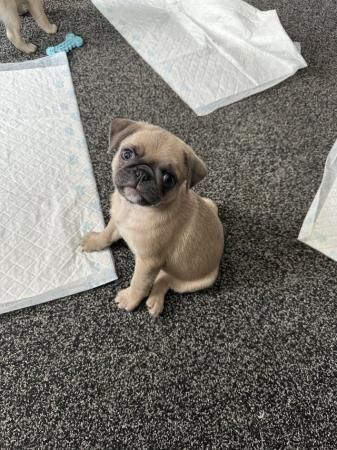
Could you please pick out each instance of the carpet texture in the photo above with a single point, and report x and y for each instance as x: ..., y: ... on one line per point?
x: 247, y: 364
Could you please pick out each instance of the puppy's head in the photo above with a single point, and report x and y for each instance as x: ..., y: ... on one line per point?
x: 151, y: 165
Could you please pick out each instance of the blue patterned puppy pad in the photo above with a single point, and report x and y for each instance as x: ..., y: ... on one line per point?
x: 48, y: 194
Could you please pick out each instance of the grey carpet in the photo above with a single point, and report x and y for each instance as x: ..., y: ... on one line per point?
x: 248, y: 364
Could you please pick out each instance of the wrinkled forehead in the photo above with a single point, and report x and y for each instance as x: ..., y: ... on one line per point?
x: 157, y: 146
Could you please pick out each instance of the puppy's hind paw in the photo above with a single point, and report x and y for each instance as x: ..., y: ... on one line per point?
x: 155, y: 306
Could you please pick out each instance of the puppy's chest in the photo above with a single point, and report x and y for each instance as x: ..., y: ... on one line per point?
x: 140, y: 233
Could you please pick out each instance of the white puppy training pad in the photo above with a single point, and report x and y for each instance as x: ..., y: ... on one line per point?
x: 211, y: 52
x: 319, y: 229
x: 48, y: 195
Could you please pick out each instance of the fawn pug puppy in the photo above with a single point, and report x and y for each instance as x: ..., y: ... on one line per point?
x: 9, y: 14
x: 175, y: 235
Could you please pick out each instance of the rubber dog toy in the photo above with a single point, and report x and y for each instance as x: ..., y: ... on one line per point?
x: 71, y: 41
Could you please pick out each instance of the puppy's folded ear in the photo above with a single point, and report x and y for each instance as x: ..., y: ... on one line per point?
x: 119, y: 130
x: 196, y: 168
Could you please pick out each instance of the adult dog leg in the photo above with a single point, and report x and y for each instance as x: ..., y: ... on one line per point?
x: 35, y: 7
x: 12, y: 24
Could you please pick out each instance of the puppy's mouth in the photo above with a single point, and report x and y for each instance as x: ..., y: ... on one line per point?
x: 132, y: 195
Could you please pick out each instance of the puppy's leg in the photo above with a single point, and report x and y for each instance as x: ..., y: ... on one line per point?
x: 22, y: 8
x: 93, y: 242
x: 12, y: 23
x: 164, y: 282
x: 155, y: 302
x: 35, y: 7
x: 142, y: 280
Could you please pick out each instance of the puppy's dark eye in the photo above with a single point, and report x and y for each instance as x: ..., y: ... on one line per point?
x: 127, y: 154
x: 168, y: 179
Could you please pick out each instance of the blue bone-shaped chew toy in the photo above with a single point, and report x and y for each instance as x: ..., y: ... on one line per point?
x: 71, y: 41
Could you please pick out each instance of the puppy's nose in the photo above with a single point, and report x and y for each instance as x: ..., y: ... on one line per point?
x: 142, y: 174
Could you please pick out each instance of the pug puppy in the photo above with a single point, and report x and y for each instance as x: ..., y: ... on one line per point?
x: 9, y: 14
x: 176, y: 235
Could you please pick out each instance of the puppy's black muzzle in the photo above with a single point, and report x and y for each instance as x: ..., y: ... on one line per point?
x: 134, y: 176
x: 141, y: 177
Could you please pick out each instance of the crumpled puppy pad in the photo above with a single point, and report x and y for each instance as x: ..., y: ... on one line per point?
x: 319, y: 229
x: 48, y: 195
x: 212, y: 53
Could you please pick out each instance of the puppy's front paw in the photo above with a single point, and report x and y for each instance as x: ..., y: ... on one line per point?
x: 125, y: 299
x: 51, y: 29
x: 155, y: 306
x: 90, y: 242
